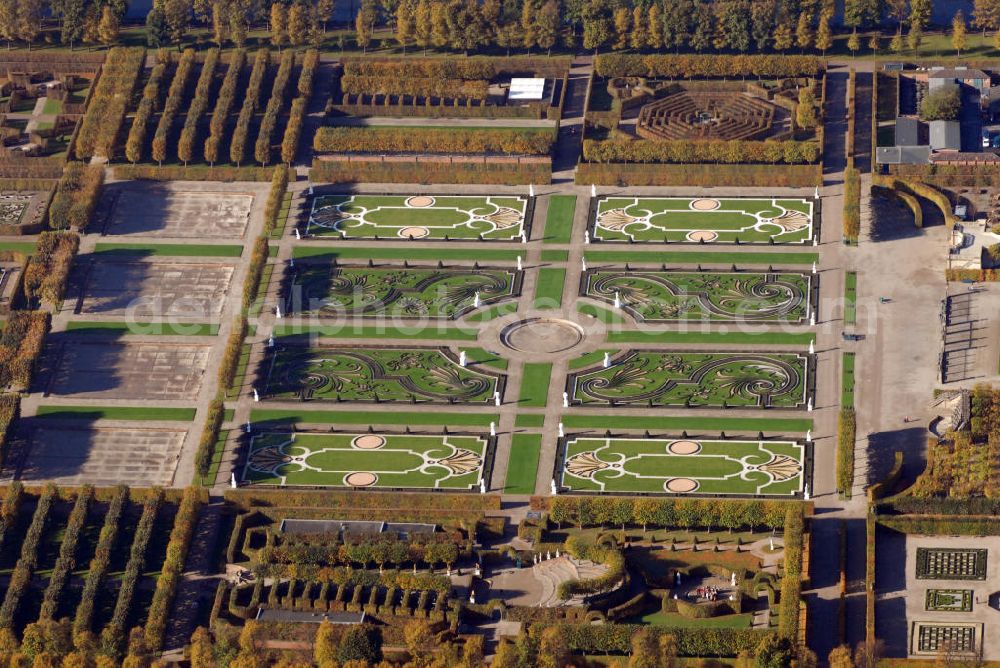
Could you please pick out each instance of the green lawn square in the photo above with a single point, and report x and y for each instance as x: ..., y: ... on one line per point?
x: 662, y: 378
x: 377, y: 374
x: 670, y: 296
x: 632, y: 465
x: 338, y: 291
x: 419, y: 216
x: 446, y: 461
x: 704, y: 219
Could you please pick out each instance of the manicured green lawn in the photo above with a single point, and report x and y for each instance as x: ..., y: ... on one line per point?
x: 390, y: 416
x: 559, y: 219
x: 741, y: 338
x: 659, y: 378
x: 444, y: 461
x: 191, y: 250
x: 626, y: 465
x: 116, y: 413
x: 677, y: 621
x: 554, y: 256
x: 589, y: 359
x: 417, y: 292
x: 468, y: 217
x: 492, y: 312
x: 606, y: 316
x: 522, y: 466
x: 703, y: 257
x: 351, y: 373
x: 549, y: 288
x: 850, y: 298
x: 375, y: 252
x: 535, y: 385
x: 694, y: 422
x: 529, y: 420
x: 847, y: 381
x: 483, y: 356
x: 26, y: 247
x: 352, y: 331
x: 148, y: 329
x: 52, y: 106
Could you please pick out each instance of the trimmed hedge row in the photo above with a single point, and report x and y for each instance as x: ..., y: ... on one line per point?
x: 252, y: 498
x: 198, y: 106
x: 136, y: 141
x: 113, y: 635
x: 108, y: 102
x: 175, y: 97
x: 66, y: 561
x: 10, y: 410
x: 20, y: 344
x: 255, y: 271
x: 166, y: 585
x: 48, y: 267
x: 709, y: 66
x: 223, y: 105
x: 686, y: 513
x: 723, y: 152
x: 20, y: 578
x: 279, y: 89
x: 293, y: 129
x: 275, y: 198
x: 76, y: 196
x: 12, y: 501
x: 846, y: 429
x: 387, y: 139
x: 622, y: 174
x: 209, y: 435
x: 225, y: 174
x: 100, y: 562
x: 251, y: 100
x: 231, y: 354
x: 420, y: 68
x: 791, y: 583
x: 617, y: 638
x: 428, y: 172
x: 852, y: 204
x: 422, y: 87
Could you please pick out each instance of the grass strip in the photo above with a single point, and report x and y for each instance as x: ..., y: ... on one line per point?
x: 138, y: 413
x: 493, y: 312
x: 375, y: 332
x: 851, y: 298
x: 559, y: 219
x: 554, y: 255
x: 26, y: 247
x: 847, y: 381
x: 549, y: 288
x: 535, y: 385
x: 486, y: 358
x: 589, y: 359
x: 387, y: 416
x: 606, y: 316
x: 522, y: 465
x: 702, y: 257
x: 529, y: 420
x: 773, y: 425
x: 176, y: 250
x: 145, y: 329
x: 742, y: 338
x: 374, y: 252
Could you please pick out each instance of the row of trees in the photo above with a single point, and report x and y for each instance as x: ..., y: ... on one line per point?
x: 76, y: 196
x: 20, y: 579
x: 293, y: 129
x: 48, y: 267
x: 668, y: 513
x: 279, y: 92
x: 148, y: 105
x: 381, y: 552
x: 223, y: 106
x: 251, y: 102
x: 66, y: 561
x: 197, y: 107
x: 20, y: 344
x: 723, y: 152
x: 10, y: 410
x: 433, y: 140
x: 673, y: 66
x: 175, y: 98
x: 99, y: 564
x: 108, y: 103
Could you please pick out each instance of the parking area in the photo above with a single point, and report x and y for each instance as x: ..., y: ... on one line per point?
x: 100, y: 456
x: 87, y: 369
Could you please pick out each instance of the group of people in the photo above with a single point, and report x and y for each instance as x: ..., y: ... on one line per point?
x: 707, y: 593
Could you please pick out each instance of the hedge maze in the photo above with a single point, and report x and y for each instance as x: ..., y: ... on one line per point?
x: 419, y: 217
x: 413, y: 375
x: 454, y: 462
x: 689, y: 115
x: 622, y: 465
x: 340, y: 291
x: 703, y: 220
x: 675, y: 296
x: 655, y: 378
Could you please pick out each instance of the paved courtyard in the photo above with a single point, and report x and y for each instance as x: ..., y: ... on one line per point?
x: 125, y: 370
x: 167, y: 210
x: 101, y: 456
x: 154, y: 288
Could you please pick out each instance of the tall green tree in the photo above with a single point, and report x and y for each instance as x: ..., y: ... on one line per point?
x: 762, y: 22
x: 959, y: 40
x: 824, y: 35
x: 466, y: 28
x: 298, y: 24
x: 528, y: 14
x: 279, y: 24
x: 177, y: 14
x: 547, y: 25
x: 623, y: 24
x: 71, y: 13
x: 875, y: 41
x: 439, y: 25
x: 29, y: 19
x: 703, y: 27
x: 108, y: 26
x: 914, y: 39
x: 986, y: 15
x: 920, y: 14
x: 735, y: 23
x: 364, y: 24
x: 597, y: 24
x: 854, y: 42
x: 645, y: 650
x: 405, y: 23
x: 156, y: 28
x: 422, y: 24
x: 803, y: 31
x: 654, y: 26
x: 677, y: 19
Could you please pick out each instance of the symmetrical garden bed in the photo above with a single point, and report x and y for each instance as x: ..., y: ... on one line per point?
x: 623, y: 465
x: 948, y: 563
x: 948, y: 600
x: 497, y: 218
x: 665, y: 378
x: 418, y: 461
x: 672, y: 296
